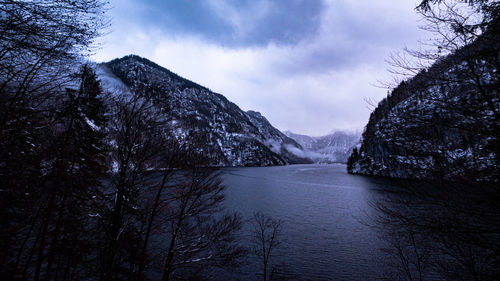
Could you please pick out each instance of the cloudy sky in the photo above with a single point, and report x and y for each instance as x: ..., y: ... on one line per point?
x: 307, y: 65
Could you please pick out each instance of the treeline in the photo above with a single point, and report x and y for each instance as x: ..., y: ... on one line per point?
x: 91, y: 185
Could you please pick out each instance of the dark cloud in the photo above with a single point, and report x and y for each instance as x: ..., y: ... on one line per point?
x: 238, y: 23
x: 289, y: 22
x: 180, y: 17
x: 352, y: 35
x: 307, y: 65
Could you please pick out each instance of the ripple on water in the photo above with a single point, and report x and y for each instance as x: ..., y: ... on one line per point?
x: 322, y: 208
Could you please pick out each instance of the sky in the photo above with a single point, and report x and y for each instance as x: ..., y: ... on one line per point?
x: 308, y: 66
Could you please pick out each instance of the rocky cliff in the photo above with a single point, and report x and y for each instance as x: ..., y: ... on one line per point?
x: 224, y: 133
x: 442, y: 123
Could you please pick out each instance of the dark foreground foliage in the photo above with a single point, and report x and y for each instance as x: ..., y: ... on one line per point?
x: 441, y: 231
x: 91, y: 187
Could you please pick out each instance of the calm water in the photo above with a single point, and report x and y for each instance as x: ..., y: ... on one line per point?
x: 325, y: 212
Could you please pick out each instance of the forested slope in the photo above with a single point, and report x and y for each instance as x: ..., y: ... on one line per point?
x: 201, y: 119
x: 442, y: 123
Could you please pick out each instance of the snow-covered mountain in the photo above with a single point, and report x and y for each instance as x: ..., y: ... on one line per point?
x: 331, y: 148
x: 225, y: 134
x: 442, y: 123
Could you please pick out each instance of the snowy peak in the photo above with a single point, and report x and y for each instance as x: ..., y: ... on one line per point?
x: 139, y: 67
x: 331, y: 148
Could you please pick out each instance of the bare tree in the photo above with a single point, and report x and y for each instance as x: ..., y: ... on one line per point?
x: 171, y: 159
x: 162, y: 212
x: 465, y: 40
x: 448, y: 104
x: 266, y: 238
x: 441, y: 230
x: 41, y: 44
x: 198, y: 234
x: 454, y: 24
x: 137, y: 142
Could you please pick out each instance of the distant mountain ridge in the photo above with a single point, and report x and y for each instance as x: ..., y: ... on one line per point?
x: 227, y: 135
x: 331, y: 148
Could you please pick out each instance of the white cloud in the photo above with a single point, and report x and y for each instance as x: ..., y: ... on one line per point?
x: 309, y: 88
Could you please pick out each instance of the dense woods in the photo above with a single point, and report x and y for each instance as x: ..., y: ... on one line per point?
x: 91, y: 185
x: 51, y: 157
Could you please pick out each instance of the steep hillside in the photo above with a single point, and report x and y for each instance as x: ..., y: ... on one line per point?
x: 443, y: 123
x: 223, y: 132
x: 277, y: 141
x: 331, y: 148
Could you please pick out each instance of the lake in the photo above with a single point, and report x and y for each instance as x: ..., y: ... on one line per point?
x: 325, y: 213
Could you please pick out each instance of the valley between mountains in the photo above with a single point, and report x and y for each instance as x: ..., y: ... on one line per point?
x: 213, y: 126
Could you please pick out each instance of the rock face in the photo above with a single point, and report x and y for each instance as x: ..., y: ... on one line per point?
x: 442, y: 123
x: 224, y: 133
x: 331, y: 148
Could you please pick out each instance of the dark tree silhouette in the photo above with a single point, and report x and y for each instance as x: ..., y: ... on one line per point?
x: 162, y: 213
x: 90, y: 181
x: 78, y: 162
x: 54, y: 241
x: 441, y: 230
x: 265, y: 239
x: 198, y: 234
x: 447, y: 112
x: 39, y: 46
x: 135, y: 143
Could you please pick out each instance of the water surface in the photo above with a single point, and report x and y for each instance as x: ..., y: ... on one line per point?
x: 325, y: 212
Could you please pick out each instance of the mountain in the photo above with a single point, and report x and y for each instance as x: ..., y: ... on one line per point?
x: 224, y: 133
x: 442, y: 123
x: 331, y: 148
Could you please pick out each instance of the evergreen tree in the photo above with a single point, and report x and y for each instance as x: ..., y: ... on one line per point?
x: 73, y: 181
x: 56, y: 241
x: 39, y: 43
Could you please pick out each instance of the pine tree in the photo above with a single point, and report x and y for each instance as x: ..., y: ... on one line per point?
x: 39, y: 43
x: 72, y: 182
